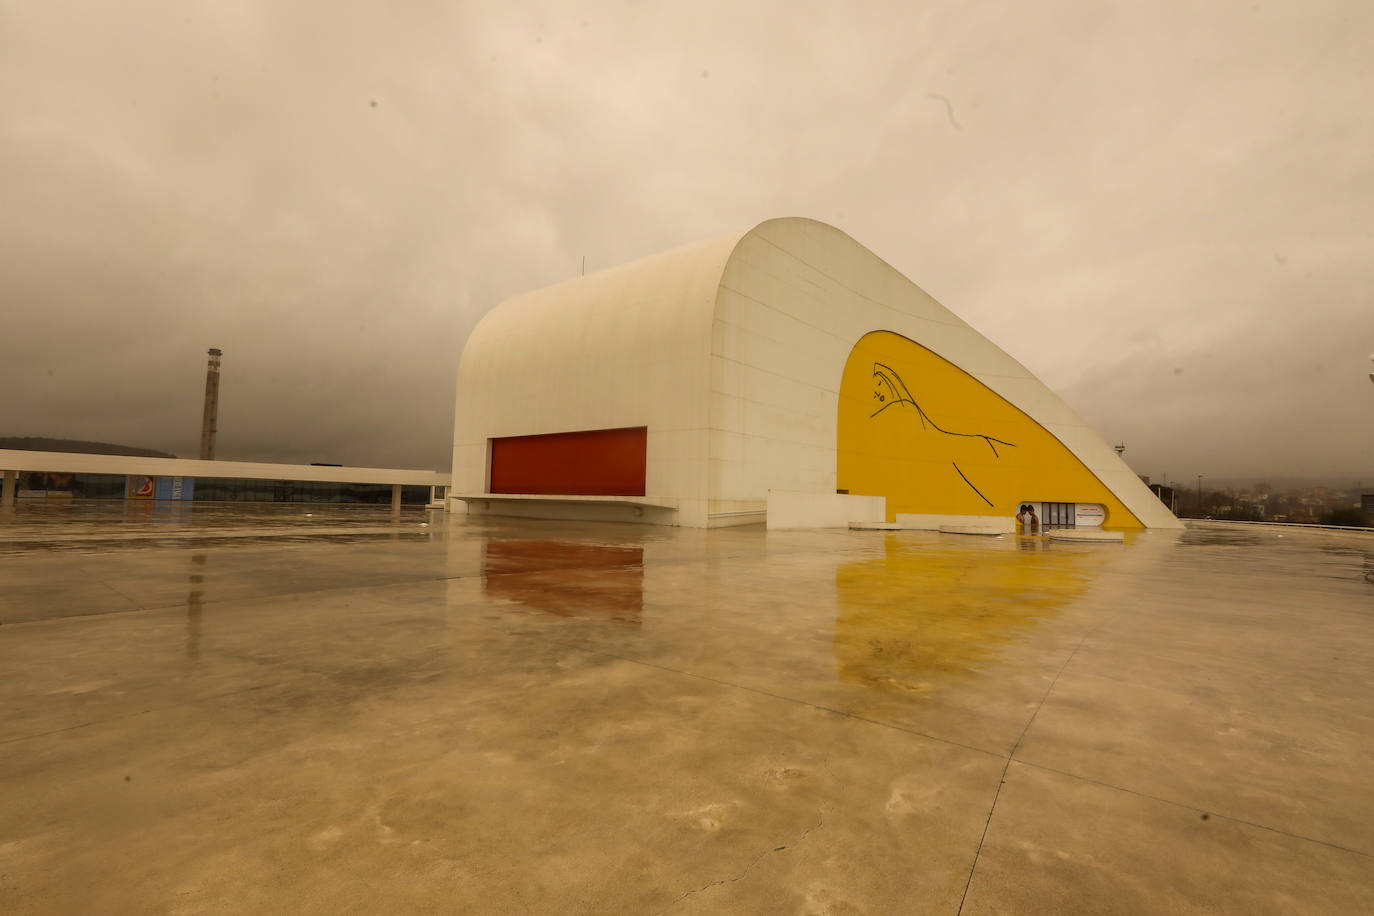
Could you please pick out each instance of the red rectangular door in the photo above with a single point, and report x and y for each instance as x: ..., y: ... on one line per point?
x: 595, y: 462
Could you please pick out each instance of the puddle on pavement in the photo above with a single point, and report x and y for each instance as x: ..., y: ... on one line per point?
x: 1349, y: 561
x: 153, y: 541
x: 921, y: 614
x: 1216, y: 537
x: 32, y: 516
x: 195, y: 606
x: 566, y: 578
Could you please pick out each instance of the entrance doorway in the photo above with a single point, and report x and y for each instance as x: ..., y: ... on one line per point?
x: 1059, y: 515
x: 594, y: 462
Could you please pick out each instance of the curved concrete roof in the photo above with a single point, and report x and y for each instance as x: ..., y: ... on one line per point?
x: 730, y: 350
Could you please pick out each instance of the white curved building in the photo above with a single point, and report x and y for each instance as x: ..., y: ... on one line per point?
x: 786, y: 372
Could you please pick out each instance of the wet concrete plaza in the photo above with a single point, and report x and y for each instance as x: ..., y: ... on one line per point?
x: 259, y: 710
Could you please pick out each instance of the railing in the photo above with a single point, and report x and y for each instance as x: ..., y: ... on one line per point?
x: 1236, y: 521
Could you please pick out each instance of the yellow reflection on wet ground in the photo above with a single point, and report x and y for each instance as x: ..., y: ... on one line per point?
x: 927, y: 613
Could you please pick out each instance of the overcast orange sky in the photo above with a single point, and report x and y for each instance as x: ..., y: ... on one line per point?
x: 1166, y: 211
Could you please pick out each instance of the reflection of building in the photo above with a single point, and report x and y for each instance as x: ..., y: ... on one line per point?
x: 567, y: 579
x: 919, y: 616
x: 784, y: 372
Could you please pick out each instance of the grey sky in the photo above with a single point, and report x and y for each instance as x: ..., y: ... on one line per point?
x: 1163, y: 210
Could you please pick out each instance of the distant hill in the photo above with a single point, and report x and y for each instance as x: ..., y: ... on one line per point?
x: 1278, y: 483
x: 44, y: 444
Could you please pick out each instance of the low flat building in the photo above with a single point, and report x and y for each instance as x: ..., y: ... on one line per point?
x: 137, y: 477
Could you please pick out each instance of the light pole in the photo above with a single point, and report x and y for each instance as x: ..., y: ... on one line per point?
x: 1199, y: 496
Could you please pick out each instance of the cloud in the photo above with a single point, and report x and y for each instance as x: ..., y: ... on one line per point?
x: 335, y: 193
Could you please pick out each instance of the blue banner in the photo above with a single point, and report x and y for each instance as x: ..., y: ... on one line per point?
x: 176, y: 488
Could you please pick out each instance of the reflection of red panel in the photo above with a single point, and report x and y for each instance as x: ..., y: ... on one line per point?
x: 598, y: 462
x: 567, y: 579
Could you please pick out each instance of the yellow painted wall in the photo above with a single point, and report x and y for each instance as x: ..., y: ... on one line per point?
x: 917, y: 429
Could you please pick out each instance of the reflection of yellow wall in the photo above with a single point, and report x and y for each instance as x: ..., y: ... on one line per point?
x: 919, y: 430
x: 922, y: 615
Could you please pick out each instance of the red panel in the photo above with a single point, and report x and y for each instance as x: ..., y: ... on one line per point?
x: 598, y: 462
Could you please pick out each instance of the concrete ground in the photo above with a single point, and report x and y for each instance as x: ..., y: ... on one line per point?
x: 255, y: 710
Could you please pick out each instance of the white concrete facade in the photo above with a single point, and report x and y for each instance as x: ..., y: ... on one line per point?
x: 731, y: 353
x: 926, y: 522
x: 790, y: 509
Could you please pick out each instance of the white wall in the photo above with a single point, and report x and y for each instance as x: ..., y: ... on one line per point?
x: 925, y: 522
x: 793, y: 509
x: 620, y: 348
x: 795, y: 298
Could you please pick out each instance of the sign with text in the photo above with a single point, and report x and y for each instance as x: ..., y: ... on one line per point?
x: 1088, y: 515
x: 176, y: 488
x: 139, y: 486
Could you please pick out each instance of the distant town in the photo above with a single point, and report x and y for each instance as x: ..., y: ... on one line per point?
x: 1261, y: 501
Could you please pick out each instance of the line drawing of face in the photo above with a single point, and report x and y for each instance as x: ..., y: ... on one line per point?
x: 889, y: 390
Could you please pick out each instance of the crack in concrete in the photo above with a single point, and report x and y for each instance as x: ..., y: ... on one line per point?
x: 1002, y: 781
x: 820, y: 819
x: 1007, y: 758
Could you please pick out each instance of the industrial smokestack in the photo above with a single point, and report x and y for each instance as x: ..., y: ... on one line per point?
x: 209, y: 423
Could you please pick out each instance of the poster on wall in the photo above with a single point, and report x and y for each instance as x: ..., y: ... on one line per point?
x: 140, y: 487
x: 175, y: 487
x: 44, y: 484
x: 1029, y: 516
x: 1088, y: 515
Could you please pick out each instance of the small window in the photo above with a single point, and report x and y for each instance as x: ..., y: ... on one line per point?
x: 1059, y: 515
